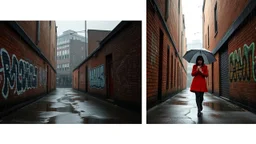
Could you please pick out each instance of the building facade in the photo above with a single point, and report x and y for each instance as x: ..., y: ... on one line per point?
x: 28, y: 61
x: 166, y: 44
x: 229, y: 32
x: 71, y: 51
x: 94, y: 39
x: 113, y: 71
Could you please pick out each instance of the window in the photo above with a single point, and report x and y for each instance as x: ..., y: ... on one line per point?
x: 208, y: 37
x: 179, y: 7
x: 205, y: 41
x: 167, y: 6
x: 215, y: 19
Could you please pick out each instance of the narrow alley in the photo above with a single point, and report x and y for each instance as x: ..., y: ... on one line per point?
x: 68, y: 106
x: 182, y: 109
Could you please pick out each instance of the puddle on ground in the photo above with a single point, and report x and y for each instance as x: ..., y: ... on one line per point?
x: 99, y: 120
x: 180, y: 96
x: 50, y: 106
x: 221, y: 106
x: 215, y: 115
x: 177, y: 102
x: 68, y: 98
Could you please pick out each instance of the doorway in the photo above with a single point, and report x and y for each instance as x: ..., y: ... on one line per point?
x: 160, y: 64
x: 109, y: 76
x: 86, y: 79
x: 224, y: 72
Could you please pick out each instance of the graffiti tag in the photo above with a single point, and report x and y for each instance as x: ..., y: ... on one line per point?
x: 242, y: 66
x: 97, y: 78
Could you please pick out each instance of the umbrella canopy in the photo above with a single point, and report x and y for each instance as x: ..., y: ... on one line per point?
x: 192, y: 54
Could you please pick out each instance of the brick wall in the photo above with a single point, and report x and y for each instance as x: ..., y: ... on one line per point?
x: 228, y: 11
x: 125, y: 48
x: 176, y: 74
x: 75, y: 79
x: 240, y: 90
x: 242, y: 66
x: 31, y: 74
x: 94, y: 38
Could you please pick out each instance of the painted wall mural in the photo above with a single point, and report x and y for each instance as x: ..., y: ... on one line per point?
x: 97, y: 78
x: 243, y: 65
x: 18, y: 75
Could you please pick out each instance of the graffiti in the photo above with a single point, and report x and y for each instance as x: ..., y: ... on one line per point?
x: 242, y: 66
x: 96, y: 76
x: 42, y: 77
x: 20, y: 73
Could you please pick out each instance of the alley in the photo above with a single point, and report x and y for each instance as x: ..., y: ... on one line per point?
x: 67, y: 106
x: 181, y: 109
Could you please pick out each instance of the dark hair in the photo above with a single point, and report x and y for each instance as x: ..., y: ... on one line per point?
x: 200, y: 58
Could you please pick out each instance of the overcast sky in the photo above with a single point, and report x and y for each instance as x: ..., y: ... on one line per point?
x: 192, y: 9
x: 79, y: 25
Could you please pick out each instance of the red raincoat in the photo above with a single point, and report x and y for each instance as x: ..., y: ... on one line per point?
x: 199, y: 82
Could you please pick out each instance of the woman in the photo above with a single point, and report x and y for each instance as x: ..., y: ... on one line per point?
x: 198, y: 85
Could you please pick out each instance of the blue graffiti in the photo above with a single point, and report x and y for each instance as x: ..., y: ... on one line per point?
x: 19, y: 73
x: 97, y: 78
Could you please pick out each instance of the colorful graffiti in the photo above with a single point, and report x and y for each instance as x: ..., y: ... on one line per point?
x: 97, y: 78
x: 243, y: 66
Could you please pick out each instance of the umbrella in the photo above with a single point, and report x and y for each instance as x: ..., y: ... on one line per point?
x: 192, y: 54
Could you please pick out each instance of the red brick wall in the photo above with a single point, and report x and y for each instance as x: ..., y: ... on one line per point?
x: 228, y: 11
x: 94, y: 62
x: 243, y: 90
x: 125, y: 48
x: 94, y: 36
x: 75, y: 79
x: 154, y: 25
x: 82, y: 77
x: 11, y: 45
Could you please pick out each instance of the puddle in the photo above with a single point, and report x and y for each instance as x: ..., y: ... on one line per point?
x: 50, y: 106
x: 67, y: 98
x: 215, y: 115
x: 176, y: 102
x: 221, y: 106
x: 180, y: 96
x: 99, y: 120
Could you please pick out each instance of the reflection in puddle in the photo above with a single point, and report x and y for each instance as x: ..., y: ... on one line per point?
x: 180, y: 96
x: 96, y: 120
x: 49, y: 106
x: 219, y: 106
x: 176, y: 102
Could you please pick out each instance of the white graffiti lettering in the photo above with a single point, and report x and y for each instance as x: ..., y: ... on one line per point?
x: 97, y: 78
x: 21, y: 74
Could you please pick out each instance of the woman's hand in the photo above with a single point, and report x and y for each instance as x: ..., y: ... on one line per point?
x: 200, y: 69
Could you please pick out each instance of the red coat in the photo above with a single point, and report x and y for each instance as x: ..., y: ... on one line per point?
x: 199, y: 82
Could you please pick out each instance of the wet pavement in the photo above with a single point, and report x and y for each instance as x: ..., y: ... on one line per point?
x: 182, y: 109
x: 67, y: 106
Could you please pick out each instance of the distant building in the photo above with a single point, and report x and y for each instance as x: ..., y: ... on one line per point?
x: 71, y: 51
